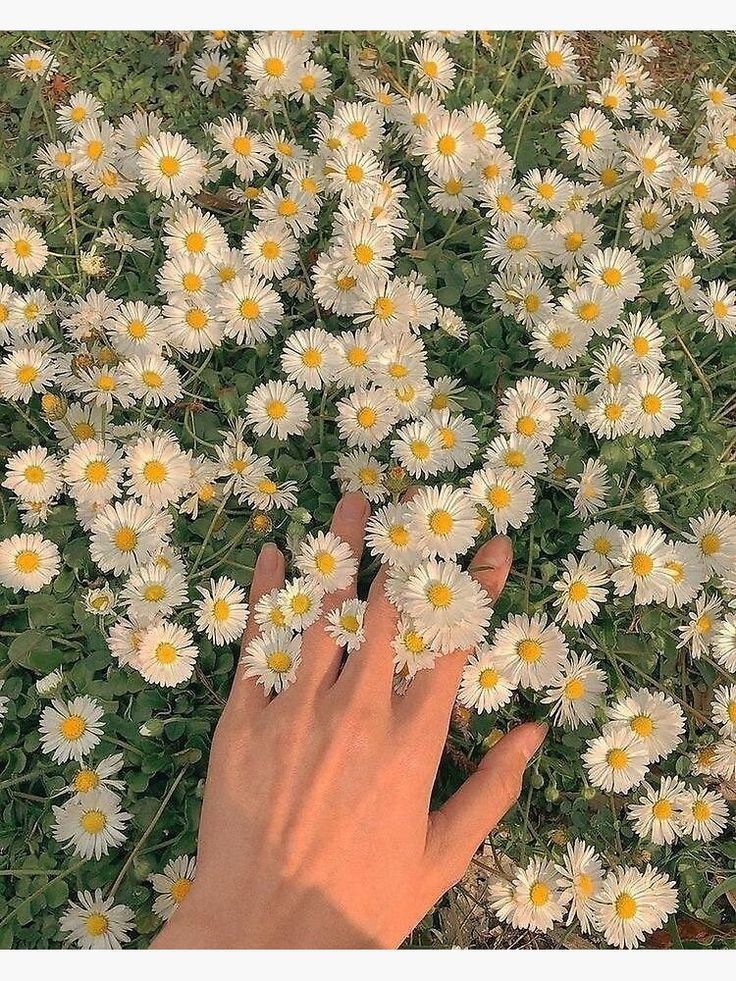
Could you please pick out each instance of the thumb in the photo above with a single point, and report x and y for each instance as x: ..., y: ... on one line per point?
x: 463, y: 822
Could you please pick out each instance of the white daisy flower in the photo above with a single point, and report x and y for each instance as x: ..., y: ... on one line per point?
x: 172, y: 886
x: 91, y: 823
x: 273, y: 659
x: 69, y: 730
x: 617, y: 760
x: 95, y: 923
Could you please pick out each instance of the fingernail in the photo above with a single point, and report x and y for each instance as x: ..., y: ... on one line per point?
x: 268, y: 560
x: 353, y: 506
x: 535, y: 734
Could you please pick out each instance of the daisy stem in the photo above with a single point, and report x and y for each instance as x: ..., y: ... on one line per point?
x: 14, y: 781
x: 73, y: 217
x: 525, y: 117
x: 141, y: 841
x: 696, y: 367
x: 208, y: 535
x: 510, y: 71
x: 615, y: 817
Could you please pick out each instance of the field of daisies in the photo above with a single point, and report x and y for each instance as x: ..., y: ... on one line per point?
x: 243, y: 273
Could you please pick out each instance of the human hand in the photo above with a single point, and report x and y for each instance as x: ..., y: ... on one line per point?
x: 316, y: 829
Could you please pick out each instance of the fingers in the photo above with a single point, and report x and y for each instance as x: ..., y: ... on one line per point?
x: 432, y: 693
x: 459, y: 826
x: 321, y: 655
x: 370, y: 670
x: 246, y: 696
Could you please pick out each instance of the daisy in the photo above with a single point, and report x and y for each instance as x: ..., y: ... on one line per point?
x: 222, y: 612
x: 150, y: 379
x: 724, y: 759
x: 33, y: 475
x: 94, y: 923
x: 273, y: 659
x: 458, y: 439
x: 697, y: 633
x: 301, y: 602
x: 365, y: 418
x: 244, y: 150
x: 28, y: 561
x: 537, y: 897
x: 714, y: 533
x: 170, y: 166
x: 69, y: 730
x: 447, y: 145
x: 488, y: 680
x: 173, y: 885
x: 644, y: 339
x: 307, y: 358
x: 391, y: 537
x: 91, y: 823
x: 250, y: 308
x: 506, y: 495
x: 328, y: 560
x: 538, y: 649
x: 154, y: 590
x: 412, y: 652
x: 609, y: 418
x: 716, y: 308
x: 587, y: 135
x: 616, y: 761
x: 126, y: 535
x: 591, y: 488
x: 158, y: 470
x: 616, y: 270
x: 687, y: 572
x: 442, y: 521
x: 23, y: 250
x: 631, y: 904
x: 418, y: 449
x: 453, y: 609
x: 363, y: 251
x: 656, y: 816
x: 576, y: 691
x: 723, y: 644
x: 598, y: 541
x: 704, y: 814
x: 656, y: 404
x: 210, y: 71
x: 345, y: 624
x: 191, y: 325
x: 582, y: 589
x: 640, y: 565
x: 723, y: 710
x: 531, y: 409
x: 555, y: 55
x: 521, y: 246
x: 90, y: 778
x: 653, y: 717
x: 277, y: 409
x: 93, y: 471
x: 272, y: 63
x: 358, y: 471
x: 166, y: 654
x: 434, y: 68
x: 33, y: 65
x: 581, y: 875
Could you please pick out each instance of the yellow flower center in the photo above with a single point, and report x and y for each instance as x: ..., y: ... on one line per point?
x: 85, y: 781
x: 642, y: 725
x: 701, y: 810
x: 270, y: 250
x: 93, y: 822
x: 574, y: 689
x: 325, y: 562
x: 446, y: 145
x: 612, y: 277
x: 626, y: 906
x: 126, y: 539
x: 617, y: 759
x: 96, y: 924
x: 499, y: 497
x: 165, y: 653
x: 651, y: 404
x: 641, y: 564
x: 196, y: 318
x: 278, y: 661
x: 587, y: 138
x: 242, y: 145
x: 180, y: 889
x: 363, y: 254
x: 662, y: 810
x: 276, y: 409
x: 274, y: 67
x: 517, y: 242
x: 439, y: 595
x: 154, y: 472
x: 488, y: 678
x: 710, y: 544
x: 151, y: 378
x: 169, y: 166
x: 529, y: 651
x: 539, y: 894
x: 73, y: 727
x: 249, y: 309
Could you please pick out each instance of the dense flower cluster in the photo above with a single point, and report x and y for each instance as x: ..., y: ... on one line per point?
x: 302, y: 243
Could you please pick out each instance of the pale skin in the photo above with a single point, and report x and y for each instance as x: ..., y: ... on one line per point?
x: 316, y: 827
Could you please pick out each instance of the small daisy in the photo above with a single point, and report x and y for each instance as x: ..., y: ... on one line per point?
x: 704, y: 814
x: 170, y: 166
x: 28, y: 561
x: 345, y: 624
x: 33, y: 475
x: 582, y: 588
x: 506, y: 495
x: 88, y: 778
x: 23, y: 250
x: 616, y: 761
x: 537, y: 897
x: 538, y: 649
x: 301, y: 602
x: 723, y: 710
x: 640, y: 565
x: 126, y: 535
x: 273, y: 659
x: 277, y: 409
x: 328, y: 560
x: 631, y: 904
x: 166, y: 654
x: 158, y: 470
x: 94, y: 923
x: 653, y: 717
x: 714, y: 533
x: 581, y: 873
x: 173, y: 885
x: 222, y: 612
x: 576, y: 691
x: 69, y: 730
x: 91, y: 823
x: 488, y: 680
x: 657, y: 814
